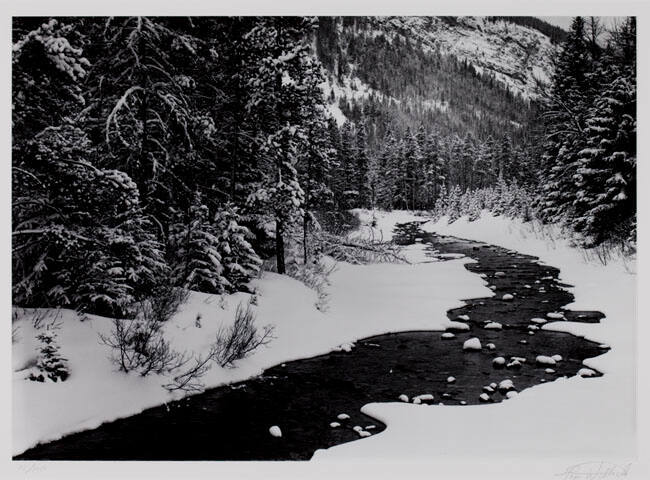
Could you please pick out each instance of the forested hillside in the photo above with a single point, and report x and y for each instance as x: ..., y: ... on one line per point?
x: 152, y: 152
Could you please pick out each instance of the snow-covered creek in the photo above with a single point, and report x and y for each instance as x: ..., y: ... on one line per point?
x: 316, y: 402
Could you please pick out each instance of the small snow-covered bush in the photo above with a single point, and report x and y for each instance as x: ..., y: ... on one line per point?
x: 51, y: 366
x: 241, y: 339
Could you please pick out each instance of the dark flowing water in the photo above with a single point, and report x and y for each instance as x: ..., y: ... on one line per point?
x: 304, y: 397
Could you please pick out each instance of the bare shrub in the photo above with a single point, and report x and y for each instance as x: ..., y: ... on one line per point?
x: 314, y: 275
x: 190, y: 379
x: 138, y: 344
x: 241, y: 339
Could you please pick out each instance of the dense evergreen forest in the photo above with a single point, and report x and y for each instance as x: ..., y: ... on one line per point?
x: 150, y: 152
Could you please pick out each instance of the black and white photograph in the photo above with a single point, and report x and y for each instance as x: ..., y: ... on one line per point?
x: 324, y: 240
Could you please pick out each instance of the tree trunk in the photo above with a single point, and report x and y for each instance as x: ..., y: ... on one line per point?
x: 279, y: 246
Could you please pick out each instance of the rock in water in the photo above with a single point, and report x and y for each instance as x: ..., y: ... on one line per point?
x: 506, y: 385
x: 473, y: 344
x: 275, y: 431
x: 544, y: 360
x: 507, y: 297
x: 499, y: 362
x: 586, y: 372
x: 343, y: 416
x: 447, y: 336
x: 335, y: 424
x: 493, y: 326
x: 451, y: 379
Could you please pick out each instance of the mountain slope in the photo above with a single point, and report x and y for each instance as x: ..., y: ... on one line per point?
x: 459, y: 74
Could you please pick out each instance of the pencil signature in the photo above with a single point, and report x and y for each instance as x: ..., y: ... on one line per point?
x: 595, y: 471
x: 27, y: 468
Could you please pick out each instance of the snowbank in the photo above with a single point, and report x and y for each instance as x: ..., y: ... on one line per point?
x: 577, y: 418
x: 364, y: 301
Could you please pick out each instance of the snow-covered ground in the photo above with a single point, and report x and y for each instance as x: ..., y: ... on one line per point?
x: 364, y: 301
x: 583, y: 419
x: 563, y: 422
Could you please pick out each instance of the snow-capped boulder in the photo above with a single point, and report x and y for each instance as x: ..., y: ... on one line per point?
x: 506, y: 385
x: 511, y: 394
x: 343, y: 416
x: 539, y: 321
x: 586, y: 372
x: 335, y: 424
x: 451, y: 379
x: 484, y: 397
x: 363, y: 434
x: 507, y: 297
x: 473, y: 344
x: 447, y: 336
x: 275, y: 431
x: 499, y: 274
x: 493, y: 326
x: 556, y: 315
x: 544, y: 360
x: 499, y: 362
x: 549, y: 370
x: 491, y: 346
x: 404, y: 398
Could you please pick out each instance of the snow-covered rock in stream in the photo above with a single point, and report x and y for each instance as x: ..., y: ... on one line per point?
x: 544, y: 360
x: 506, y: 385
x: 345, y: 347
x: 499, y: 362
x: 464, y: 318
x: 451, y: 379
x: 343, y: 416
x: 511, y: 394
x: 499, y: 274
x: 447, y: 336
x: 335, y: 424
x: 586, y: 372
x: 557, y: 358
x: 275, y: 431
x: 457, y: 327
x: 493, y: 326
x: 484, y: 397
x: 424, y: 397
x: 539, y: 321
x: 491, y: 346
x: 357, y: 428
x: 363, y: 433
x: 507, y: 297
x: 473, y: 344
x: 404, y: 398
x: 556, y: 315
x: 549, y: 370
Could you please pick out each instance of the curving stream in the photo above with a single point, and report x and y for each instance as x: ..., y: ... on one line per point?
x: 304, y: 397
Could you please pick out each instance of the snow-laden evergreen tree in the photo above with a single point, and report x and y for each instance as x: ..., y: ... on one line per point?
x: 279, y: 71
x: 564, y: 114
x: 347, y: 172
x: 239, y: 260
x: 195, y: 251
x: 386, y: 171
x: 80, y: 238
x: 363, y: 165
x: 141, y: 108
x: 605, y: 205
